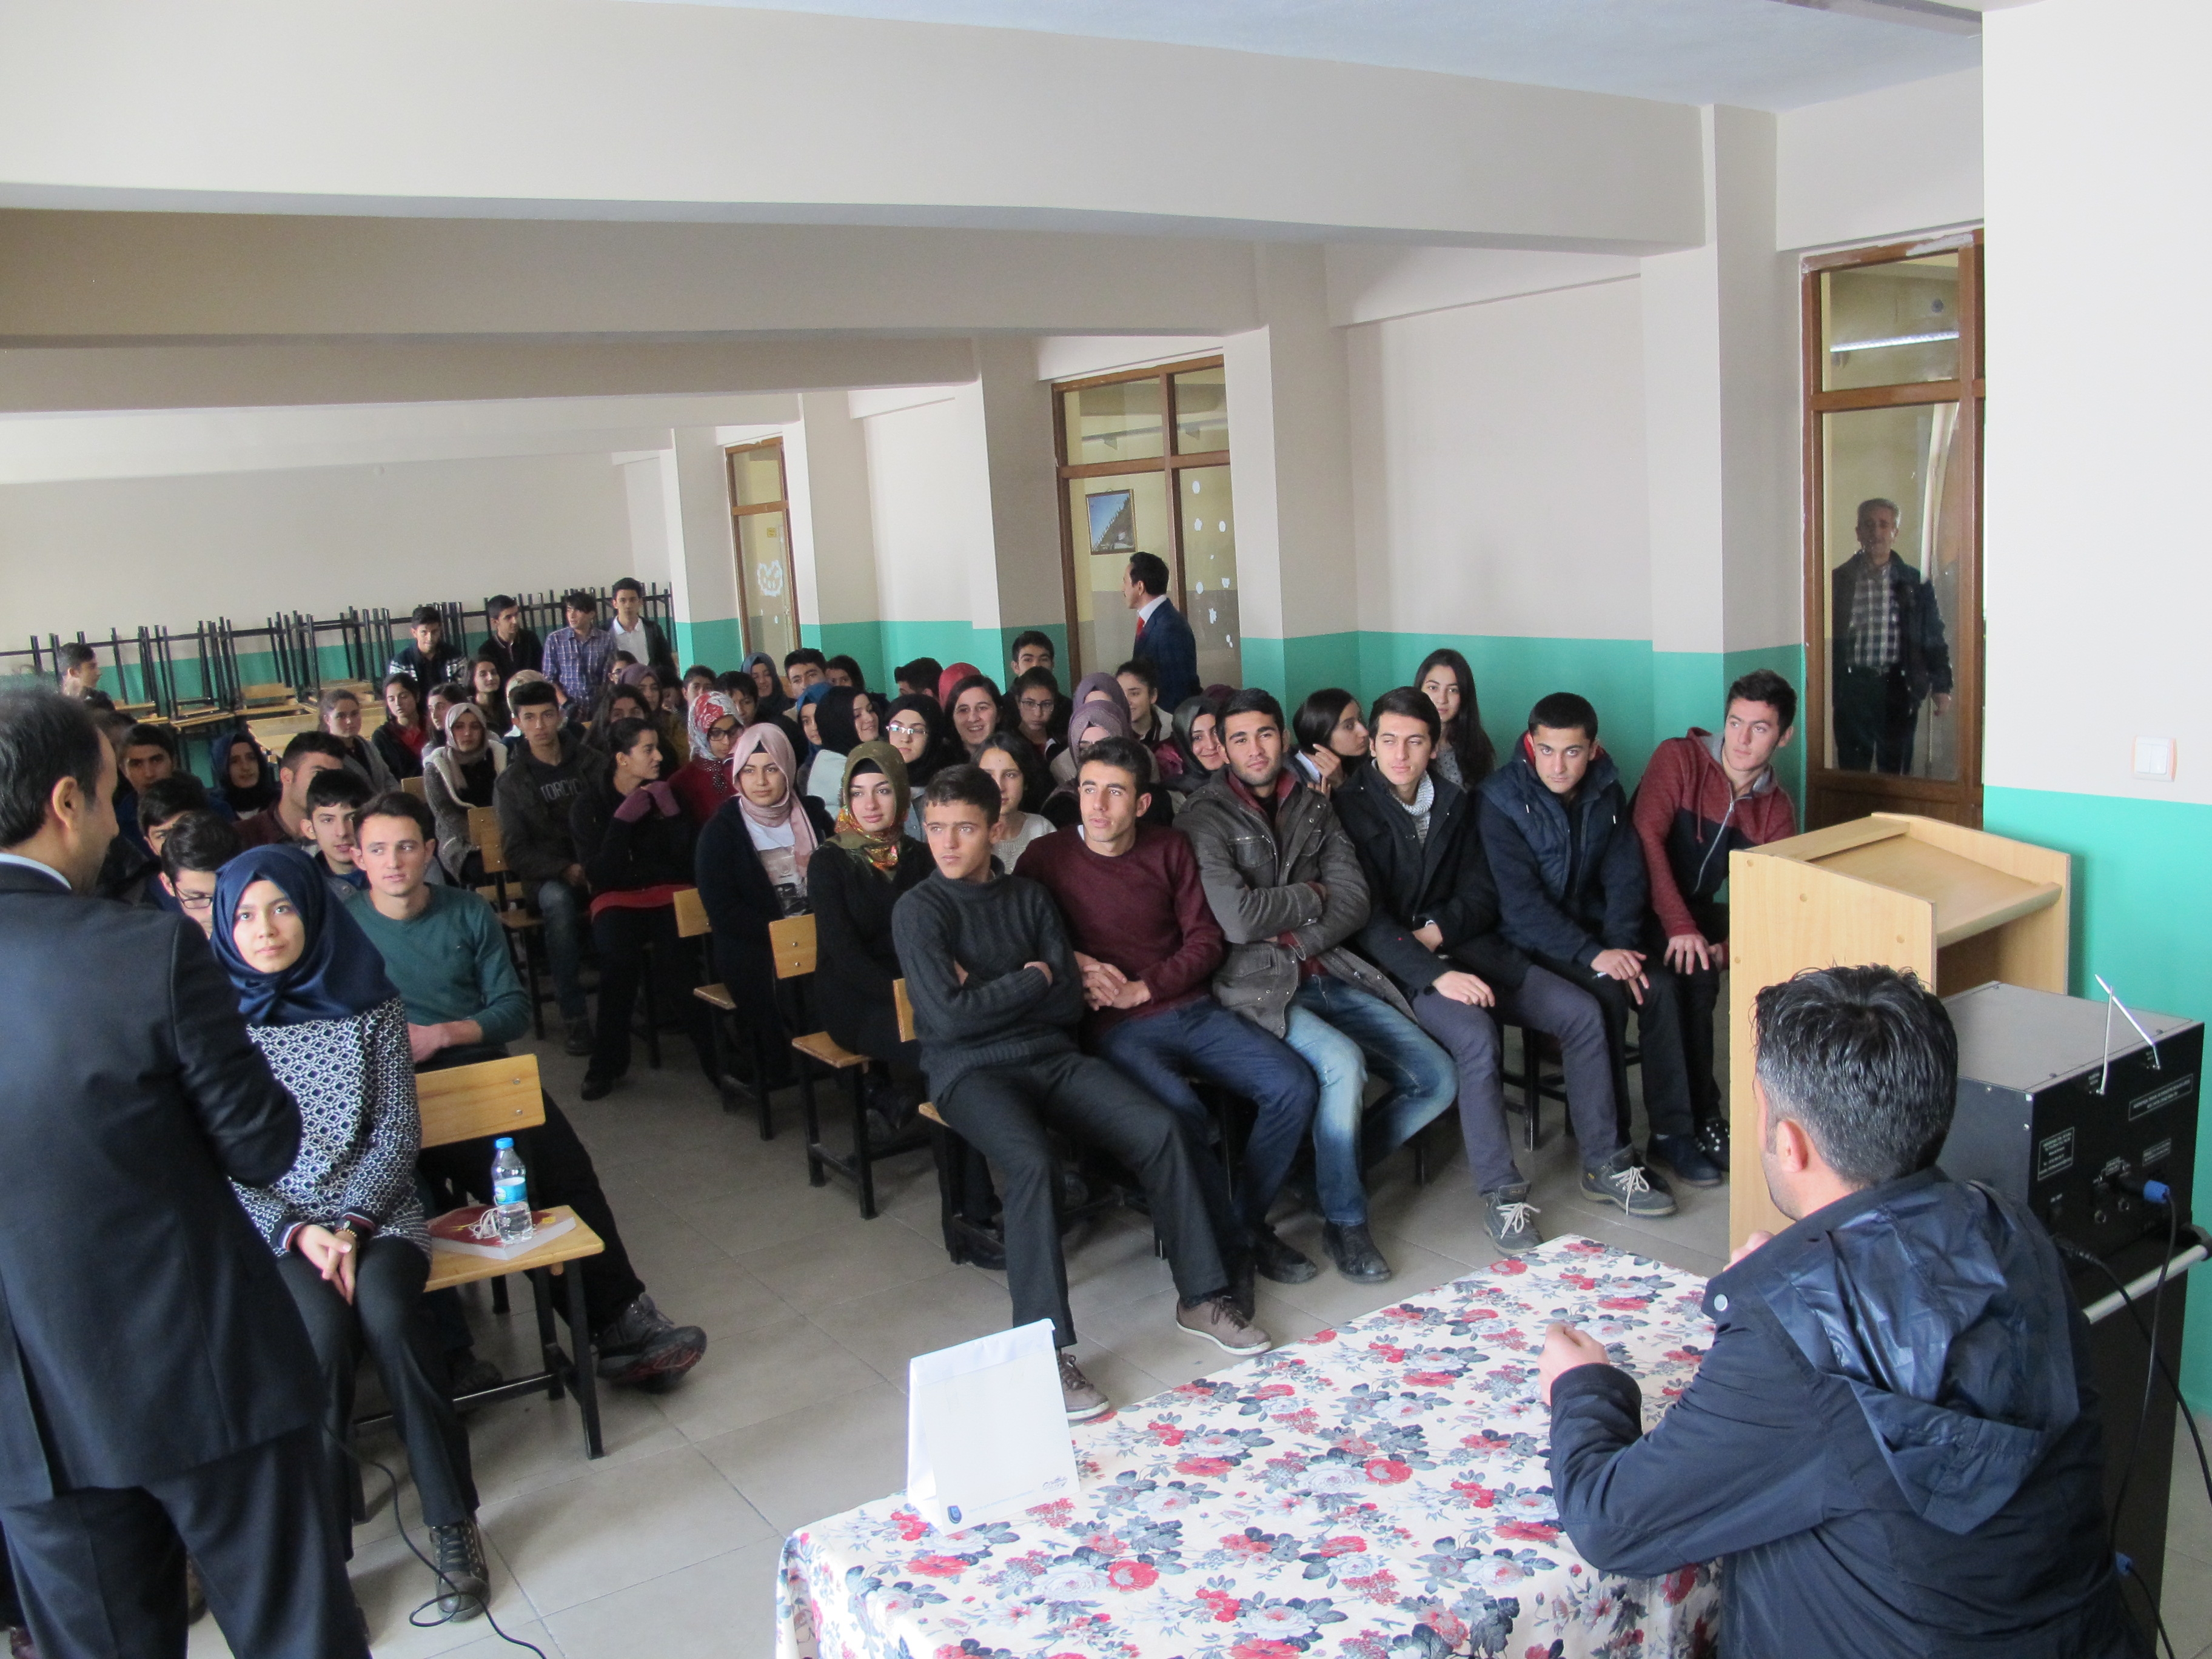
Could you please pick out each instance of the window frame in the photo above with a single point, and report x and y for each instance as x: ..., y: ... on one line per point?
x: 781, y: 504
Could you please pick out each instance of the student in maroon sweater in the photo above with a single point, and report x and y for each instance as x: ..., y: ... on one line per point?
x: 1703, y: 797
x: 1147, y: 942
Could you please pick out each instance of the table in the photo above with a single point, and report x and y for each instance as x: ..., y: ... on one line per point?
x: 1376, y: 1492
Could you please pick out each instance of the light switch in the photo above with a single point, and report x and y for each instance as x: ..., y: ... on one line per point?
x: 2155, y: 758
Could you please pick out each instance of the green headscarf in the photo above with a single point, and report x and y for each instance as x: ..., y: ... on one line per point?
x: 880, y: 853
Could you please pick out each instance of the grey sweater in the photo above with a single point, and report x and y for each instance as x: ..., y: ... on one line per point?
x: 1005, y: 1013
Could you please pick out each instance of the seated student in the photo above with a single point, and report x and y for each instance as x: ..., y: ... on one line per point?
x: 1032, y: 649
x: 768, y: 684
x: 1571, y: 890
x: 703, y: 782
x: 953, y: 675
x: 661, y: 708
x: 399, y: 742
x: 1154, y: 726
x: 1434, y: 930
x: 805, y: 713
x: 1034, y: 710
x: 696, y: 678
x: 147, y: 754
x: 635, y: 847
x: 194, y: 848
x: 1093, y: 722
x: 973, y: 708
x: 1197, y: 743
x: 162, y: 805
x: 334, y: 797
x: 245, y: 781
x: 533, y: 798
x: 430, y: 659
x: 917, y: 728
x: 1286, y: 888
x: 79, y: 666
x: 435, y: 703
x: 1703, y: 797
x: 488, y: 691
x: 341, y: 713
x: 918, y: 679
x: 447, y: 953
x: 997, y: 997
x: 462, y: 772
x: 846, y: 671
x: 1147, y: 946
x: 1893, y: 1439
x: 1008, y: 761
x: 1332, y: 738
x: 1466, y: 756
x: 1092, y: 688
x: 838, y: 718
x: 283, y: 821
x: 802, y: 668
x: 513, y: 647
x: 347, y: 1230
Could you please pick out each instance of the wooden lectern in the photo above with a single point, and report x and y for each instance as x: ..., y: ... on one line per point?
x: 1957, y: 906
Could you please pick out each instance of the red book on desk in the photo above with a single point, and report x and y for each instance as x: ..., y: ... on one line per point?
x: 472, y: 1231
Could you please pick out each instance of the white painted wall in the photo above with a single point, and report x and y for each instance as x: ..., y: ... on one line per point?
x: 929, y: 499
x: 2098, y: 590
x: 1498, y: 469
x: 104, y: 553
x: 1885, y: 163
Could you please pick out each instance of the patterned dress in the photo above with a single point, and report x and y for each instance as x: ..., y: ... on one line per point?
x: 360, y: 1134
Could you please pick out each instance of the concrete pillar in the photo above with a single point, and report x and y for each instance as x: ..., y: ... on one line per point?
x: 1024, y: 490
x: 702, y: 566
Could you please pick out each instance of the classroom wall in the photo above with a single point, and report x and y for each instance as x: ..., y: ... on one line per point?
x: 1883, y: 164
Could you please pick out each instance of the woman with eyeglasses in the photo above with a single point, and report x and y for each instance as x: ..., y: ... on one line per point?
x: 703, y: 782
x: 1036, y: 708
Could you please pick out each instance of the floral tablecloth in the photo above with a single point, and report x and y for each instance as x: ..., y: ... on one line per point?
x: 1378, y: 1490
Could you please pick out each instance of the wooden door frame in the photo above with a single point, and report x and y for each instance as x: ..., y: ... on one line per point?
x: 1832, y: 794
x: 781, y: 504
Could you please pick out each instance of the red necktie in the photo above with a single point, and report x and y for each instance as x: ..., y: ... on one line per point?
x: 1139, y: 640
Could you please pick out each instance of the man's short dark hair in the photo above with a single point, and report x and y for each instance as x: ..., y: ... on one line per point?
x: 852, y: 668
x: 1408, y: 703
x: 699, y: 671
x: 806, y: 653
x: 578, y: 598
x: 622, y: 735
x: 498, y: 604
x: 75, y: 654
x: 1564, y: 711
x: 393, y: 804
x: 1149, y: 571
x: 923, y: 672
x: 628, y: 585
x: 533, y: 693
x: 165, y: 798
x: 1871, y: 502
x: 337, y: 785
x: 1123, y: 754
x: 1253, y: 700
x: 151, y: 734
x: 304, y: 743
x: 1866, y: 1059
x: 1141, y: 668
x: 45, y: 736
x: 1765, y: 685
x: 199, y: 841
x: 963, y: 785
x: 625, y: 659
x: 427, y: 615
x: 1032, y: 639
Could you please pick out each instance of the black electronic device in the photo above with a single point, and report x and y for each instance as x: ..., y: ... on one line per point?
x: 2070, y: 1107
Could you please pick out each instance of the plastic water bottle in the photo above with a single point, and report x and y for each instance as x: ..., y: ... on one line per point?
x: 510, y: 1193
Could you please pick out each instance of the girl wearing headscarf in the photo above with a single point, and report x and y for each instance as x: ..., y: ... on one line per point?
x: 846, y: 718
x: 704, y: 783
x: 675, y: 746
x: 806, y: 712
x: 1092, y: 687
x: 245, y: 781
x: 1091, y: 722
x: 853, y: 884
x: 1198, y: 738
x: 768, y: 684
x: 350, y: 1235
x: 755, y: 863
x: 456, y: 774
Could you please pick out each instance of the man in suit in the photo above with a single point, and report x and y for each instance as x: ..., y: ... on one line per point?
x: 1164, y: 638
x: 157, y: 1393
x: 1889, y: 653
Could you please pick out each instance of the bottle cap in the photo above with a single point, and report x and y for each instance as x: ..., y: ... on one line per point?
x: 502, y: 1142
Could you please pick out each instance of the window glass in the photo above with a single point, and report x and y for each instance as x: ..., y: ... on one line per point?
x: 1201, y: 404
x: 1891, y: 325
x: 1110, y: 518
x: 1209, y: 568
x: 1119, y: 421
x: 756, y: 476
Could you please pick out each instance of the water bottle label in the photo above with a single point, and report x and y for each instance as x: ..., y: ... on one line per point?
x: 509, y: 1192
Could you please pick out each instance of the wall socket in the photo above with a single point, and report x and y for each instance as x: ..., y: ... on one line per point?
x: 2154, y: 759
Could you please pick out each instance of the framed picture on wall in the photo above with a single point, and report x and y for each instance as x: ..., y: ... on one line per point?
x: 1113, y: 521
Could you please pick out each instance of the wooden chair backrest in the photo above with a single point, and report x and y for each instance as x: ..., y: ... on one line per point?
x: 416, y: 787
x: 484, y: 835
x: 904, y: 1003
x: 468, y: 1102
x: 691, y: 913
x: 792, y: 941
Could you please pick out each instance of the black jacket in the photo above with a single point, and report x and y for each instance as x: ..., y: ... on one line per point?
x: 1444, y: 879
x: 1923, y: 652
x: 619, y: 857
x: 534, y: 832
x: 740, y: 901
x: 1893, y: 1441
x: 144, y: 1330
x: 527, y: 651
x: 856, y: 961
x: 398, y: 759
x: 1570, y: 879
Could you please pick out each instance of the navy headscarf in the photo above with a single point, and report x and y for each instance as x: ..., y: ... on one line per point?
x: 339, y: 973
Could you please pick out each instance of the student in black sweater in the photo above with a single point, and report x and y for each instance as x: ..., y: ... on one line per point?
x: 634, y: 840
x: 997, y: 998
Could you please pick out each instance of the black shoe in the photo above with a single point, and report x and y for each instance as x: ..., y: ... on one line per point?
x: 1682, y: 1154
x: 1713, y: 1140
x: 1285, y: 1264
x: 642, y: 1343
x: 596, y: 1087
x: 580, y: 1036
x: 468, y: 1374
x: 1243, y: 1286
x: 985, y: 1248
x: 463, y: 1582
x: 1353, y: 1250
x: 1621, y: 1180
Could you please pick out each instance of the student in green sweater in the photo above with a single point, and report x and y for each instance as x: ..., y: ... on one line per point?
x: 445, y: 952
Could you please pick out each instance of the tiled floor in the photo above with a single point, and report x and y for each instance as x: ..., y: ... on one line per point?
x: 667, y: 1545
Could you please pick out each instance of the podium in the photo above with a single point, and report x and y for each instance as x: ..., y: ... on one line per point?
x: 1958, y: 906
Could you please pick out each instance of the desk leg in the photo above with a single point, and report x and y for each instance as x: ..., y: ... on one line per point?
x: 587, y: 1378
x: 548, y: 1344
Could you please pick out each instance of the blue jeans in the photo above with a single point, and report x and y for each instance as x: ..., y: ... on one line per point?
x: 562, y: 908
x: 1340, y: 1030
x: 1203, y: 1039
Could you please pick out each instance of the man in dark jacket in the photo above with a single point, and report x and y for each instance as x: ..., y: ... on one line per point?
x: 157, y: 1393
x: 1286, y: 888
x: 1433, y: 928
x: 1571, y: 887
x: 533, y: 798
x: 1887, y: 653
x: 430, y: 659
x: 1164, y: 635
x: 1893, y: 1440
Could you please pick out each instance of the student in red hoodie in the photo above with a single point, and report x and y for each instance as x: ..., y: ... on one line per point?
x: 1704, y: 796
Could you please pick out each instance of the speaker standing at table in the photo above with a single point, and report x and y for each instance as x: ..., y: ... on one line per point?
x: 157, y: 1393
x: 1893, y: 1439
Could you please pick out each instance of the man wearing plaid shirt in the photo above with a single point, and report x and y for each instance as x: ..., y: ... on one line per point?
x: 576, y: 657
x: 1889, y: 652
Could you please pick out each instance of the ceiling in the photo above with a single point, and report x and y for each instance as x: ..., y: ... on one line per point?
x: 1760, y: 54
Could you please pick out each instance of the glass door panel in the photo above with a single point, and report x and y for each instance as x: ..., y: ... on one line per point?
x: 1108, y: 519
x: 1121, y: 421
x: 1209, y: 571
x: 1201, y: 406
x: 764, y: 570
x: 757, y: 474
x: 1891, y: 325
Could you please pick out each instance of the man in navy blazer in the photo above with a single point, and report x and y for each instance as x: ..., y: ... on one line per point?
x: 1164, y: 638
x: 157, y: 1393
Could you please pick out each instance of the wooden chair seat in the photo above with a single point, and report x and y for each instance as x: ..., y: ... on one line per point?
x: 716, y: 996
x: 928, y: 1109
x: 822, y: 1047
x: 451, y: 1267
x: 518, y: 921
